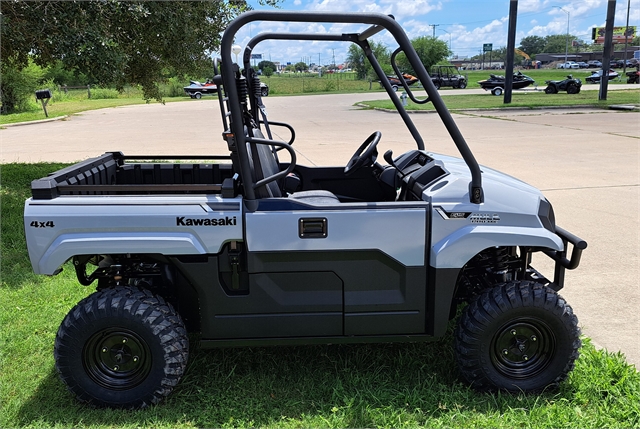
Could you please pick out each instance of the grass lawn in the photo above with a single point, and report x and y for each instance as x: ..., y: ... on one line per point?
x: 72, y: 106
x: 520, y: 99
x: 285, y: 84
x: 389, y: 385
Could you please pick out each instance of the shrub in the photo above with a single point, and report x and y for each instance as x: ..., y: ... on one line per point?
x: 173, y: 88
x: 103, y: 93
x: 18, y: 86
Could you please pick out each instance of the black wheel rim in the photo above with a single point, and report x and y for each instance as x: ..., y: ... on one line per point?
x: 117, y: 359
x: 523, y: 348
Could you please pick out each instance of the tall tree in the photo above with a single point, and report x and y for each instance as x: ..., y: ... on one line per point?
x: 430, y: 50
x: 358, y: 61
x: 116, y: 42
x: 557, y: 42
x: 532, y: 44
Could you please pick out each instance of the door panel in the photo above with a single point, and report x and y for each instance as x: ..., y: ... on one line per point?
x: 377, y: 253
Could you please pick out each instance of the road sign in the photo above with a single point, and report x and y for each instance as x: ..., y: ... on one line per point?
x: 487, y: 47
x: 256, y: 56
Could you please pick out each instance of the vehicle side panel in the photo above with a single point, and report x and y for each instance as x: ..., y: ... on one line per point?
x: 170, y: 225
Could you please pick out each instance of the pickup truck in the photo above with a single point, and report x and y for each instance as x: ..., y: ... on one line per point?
x: 252, y: 249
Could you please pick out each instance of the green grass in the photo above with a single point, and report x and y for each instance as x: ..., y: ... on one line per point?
x: 519, y: 99
x: 73, y: 106
x: 389, y: 385
x: 76, y: 101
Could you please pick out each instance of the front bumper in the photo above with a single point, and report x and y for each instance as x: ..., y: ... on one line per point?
x: 562, y: 263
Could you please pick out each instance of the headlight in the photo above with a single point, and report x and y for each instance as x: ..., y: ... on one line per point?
x: 545, y: 213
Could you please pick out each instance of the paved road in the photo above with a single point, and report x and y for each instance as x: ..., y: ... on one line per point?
x: 584, y: 160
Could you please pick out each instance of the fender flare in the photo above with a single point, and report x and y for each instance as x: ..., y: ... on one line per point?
x: 456, y: 249
x: 68, y: 245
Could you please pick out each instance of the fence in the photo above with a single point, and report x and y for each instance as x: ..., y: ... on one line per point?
x: 66, y: 89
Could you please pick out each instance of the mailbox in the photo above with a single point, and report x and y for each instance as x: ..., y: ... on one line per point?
x: 42, y: 94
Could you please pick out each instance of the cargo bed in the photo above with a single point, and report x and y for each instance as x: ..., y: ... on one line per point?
x: 111, y: 174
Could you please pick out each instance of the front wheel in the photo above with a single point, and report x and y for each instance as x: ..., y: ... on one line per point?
x: 462, y: 84
x: 121, y: 348
x: 497, y: 91
x: 518, y: 336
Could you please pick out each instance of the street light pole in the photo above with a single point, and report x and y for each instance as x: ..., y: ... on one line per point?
x: 566, y: 48
x: 440, y: 29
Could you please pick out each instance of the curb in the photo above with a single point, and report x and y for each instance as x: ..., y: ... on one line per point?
x: 39, y: 121
x: 503, y: 109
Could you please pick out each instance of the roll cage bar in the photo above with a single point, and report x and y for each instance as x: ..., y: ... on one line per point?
x: 236, y: 133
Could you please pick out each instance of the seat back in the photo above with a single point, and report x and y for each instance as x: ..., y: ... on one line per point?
x: 263, y: 164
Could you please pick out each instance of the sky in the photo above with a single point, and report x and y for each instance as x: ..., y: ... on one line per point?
x: 464, y: 24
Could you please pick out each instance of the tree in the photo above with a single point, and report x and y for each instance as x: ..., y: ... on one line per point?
x: 532, y: 45
x: 359, y: 63
x: 557, y: 43
x: 266, y: 64
x: 301, y: 66
x: 430, y: 50
x: 117, y: 42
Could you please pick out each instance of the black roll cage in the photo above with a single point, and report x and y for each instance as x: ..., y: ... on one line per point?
x: 236, y: 133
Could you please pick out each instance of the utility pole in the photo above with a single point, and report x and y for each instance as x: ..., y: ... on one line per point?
x: 511, y: 44
x: 608, y: 48
x: 434, y: 29
x: 626, y: 40
x: 566, y: 44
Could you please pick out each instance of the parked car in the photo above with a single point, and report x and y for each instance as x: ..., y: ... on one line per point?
x: 583, y: 65
x: 594, y: 64
x: 568, y: 65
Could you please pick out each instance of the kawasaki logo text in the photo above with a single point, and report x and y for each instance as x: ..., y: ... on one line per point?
x: 225, y: 221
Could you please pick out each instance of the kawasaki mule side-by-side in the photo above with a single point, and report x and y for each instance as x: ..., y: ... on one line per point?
x: 253, y: 248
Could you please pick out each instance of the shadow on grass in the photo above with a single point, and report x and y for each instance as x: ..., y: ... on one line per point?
x: 349, y: 385
x: 16, y: 180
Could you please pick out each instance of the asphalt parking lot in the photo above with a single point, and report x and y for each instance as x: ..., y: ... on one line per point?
x: 584, y: 160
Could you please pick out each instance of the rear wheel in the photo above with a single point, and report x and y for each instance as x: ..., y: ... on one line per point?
x: 550, y: 89
x: 437, y: 84
x: 197, y: 95
x: 518, y: 336
x: 497, y: 91
x: 123, y: 348
x: 264, y: 92
x: 572, y: 88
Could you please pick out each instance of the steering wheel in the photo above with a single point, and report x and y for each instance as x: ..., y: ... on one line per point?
x: 365, y: 155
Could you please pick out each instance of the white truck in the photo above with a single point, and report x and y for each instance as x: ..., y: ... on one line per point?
x: 247, y: 250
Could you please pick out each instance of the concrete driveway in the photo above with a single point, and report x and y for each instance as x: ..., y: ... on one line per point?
x: 584, y: 160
